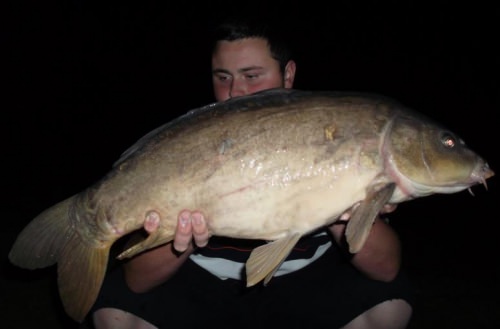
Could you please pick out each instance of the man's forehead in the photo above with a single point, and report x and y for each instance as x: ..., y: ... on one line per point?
x: 257, y: 42
x: 242, y: 54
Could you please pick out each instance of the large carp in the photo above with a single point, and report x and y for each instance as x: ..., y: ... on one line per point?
x: 276, y: 166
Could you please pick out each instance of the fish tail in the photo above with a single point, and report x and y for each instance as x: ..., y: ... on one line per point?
x: 80, y: 273
x: 51, y: 238
x: 41, y: 242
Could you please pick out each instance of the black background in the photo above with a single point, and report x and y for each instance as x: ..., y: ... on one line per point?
x: 83, y: 80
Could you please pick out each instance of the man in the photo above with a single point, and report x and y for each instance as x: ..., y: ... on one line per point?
x: 197, y: 280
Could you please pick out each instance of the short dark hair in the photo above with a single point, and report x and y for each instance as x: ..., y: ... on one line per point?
x: 236, y: 28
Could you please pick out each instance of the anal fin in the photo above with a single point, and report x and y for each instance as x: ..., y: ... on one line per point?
x: 158, y: 237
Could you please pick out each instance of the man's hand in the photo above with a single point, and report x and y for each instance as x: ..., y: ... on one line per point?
x: 191, y: 227
x: 388, y: 208
x: 155, y: 266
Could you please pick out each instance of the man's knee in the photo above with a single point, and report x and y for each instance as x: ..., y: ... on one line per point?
x: 391, y: 314
x: 112, y: 318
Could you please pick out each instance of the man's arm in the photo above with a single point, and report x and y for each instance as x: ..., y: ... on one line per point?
x: 155, y: 266
x: 380, y: 257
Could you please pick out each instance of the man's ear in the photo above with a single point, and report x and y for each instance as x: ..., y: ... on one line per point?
x: 289, y: 74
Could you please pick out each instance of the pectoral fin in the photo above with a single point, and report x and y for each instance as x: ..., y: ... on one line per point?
x: 265, y: 260
x: 364, y: 215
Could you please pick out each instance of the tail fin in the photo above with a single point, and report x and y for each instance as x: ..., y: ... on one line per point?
x: 51, y: 238
x: 41, y: 242
x: 81, y: 271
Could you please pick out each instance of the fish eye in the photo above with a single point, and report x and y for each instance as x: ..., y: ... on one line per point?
x: 448, y: 140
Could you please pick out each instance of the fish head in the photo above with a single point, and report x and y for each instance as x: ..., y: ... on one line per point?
x: 427, y: 158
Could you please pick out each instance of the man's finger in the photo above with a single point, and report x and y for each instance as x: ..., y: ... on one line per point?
x: 152, y: 221
x: 200, y: 229
x: 184, y: 232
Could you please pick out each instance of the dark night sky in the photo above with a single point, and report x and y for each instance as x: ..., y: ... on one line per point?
x: 83, y: 80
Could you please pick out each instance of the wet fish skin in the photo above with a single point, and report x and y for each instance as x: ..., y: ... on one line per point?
x: 274, y: 166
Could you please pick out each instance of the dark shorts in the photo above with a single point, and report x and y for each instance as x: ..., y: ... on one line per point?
x: 326, y: 294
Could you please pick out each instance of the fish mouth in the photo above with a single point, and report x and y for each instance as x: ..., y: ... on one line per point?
x: 478, y: 176
x: 481, y: 174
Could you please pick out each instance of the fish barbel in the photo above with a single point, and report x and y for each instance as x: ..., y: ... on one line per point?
x: 275, y: 166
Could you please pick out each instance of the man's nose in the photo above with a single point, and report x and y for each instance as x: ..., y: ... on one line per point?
x: 238, y: 88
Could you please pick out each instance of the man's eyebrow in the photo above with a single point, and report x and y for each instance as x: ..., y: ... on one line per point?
x: 242, y: 70
x: 214, y: 71
x: 250, y: 68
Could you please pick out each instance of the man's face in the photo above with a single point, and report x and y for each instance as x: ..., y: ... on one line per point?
x: 244, y: 67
